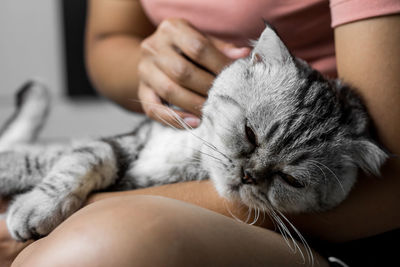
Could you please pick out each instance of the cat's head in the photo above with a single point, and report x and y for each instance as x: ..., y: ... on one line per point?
x: 281, y: 135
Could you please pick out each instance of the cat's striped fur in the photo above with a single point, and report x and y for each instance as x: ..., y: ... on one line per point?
x: 275, y: 135
x: 53, y: 181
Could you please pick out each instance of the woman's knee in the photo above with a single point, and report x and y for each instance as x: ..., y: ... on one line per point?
x: 126, y: 231
x: 154, y: 231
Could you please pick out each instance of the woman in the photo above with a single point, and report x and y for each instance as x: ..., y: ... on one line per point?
x: 176, y: 60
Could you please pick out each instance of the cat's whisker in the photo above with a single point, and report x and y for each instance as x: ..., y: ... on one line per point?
x: 186, y: 126
x: 256, y: 216
x: 166, y: 122
x: 286, y: 233
x: 278, y: 224
x: 263, y: 211
x: 218, y: 160
x: 204, y: 153
x: 283, y: 230
x: 290, y: 240
x: 272, y: 219
x: 207, y: 154
x: 169, y: 111
x: 302, y: 239
x: 177, y: 119
x: 325, y: 178
x: 231, y: 213
x: 211, y: 156
x: 334, y: 174
x: 211, y: 146
x: 190, y: 130
x: 249, y: 212
x: 217, y: 150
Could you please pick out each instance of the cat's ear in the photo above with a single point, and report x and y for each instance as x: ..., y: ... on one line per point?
x: 368, y: 156
x: 269, y: 47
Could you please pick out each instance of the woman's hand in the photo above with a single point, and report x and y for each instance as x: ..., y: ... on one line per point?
x: 178, y: 65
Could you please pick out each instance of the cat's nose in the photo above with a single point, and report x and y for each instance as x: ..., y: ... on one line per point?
x: 248, y: 178
x: 254, y: 176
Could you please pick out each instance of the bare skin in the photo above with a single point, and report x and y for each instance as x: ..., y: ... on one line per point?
x: 138, y: 66
x: 162, y: 232
x: 9, y: 249
x: 371, y: 208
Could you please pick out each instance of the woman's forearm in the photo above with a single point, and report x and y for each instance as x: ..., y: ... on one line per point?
x: 371, y: 63
x: 112, y: 65
x: 114, y: 32
x: 200, y: 193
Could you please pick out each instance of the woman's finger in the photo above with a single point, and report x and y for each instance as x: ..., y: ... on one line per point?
x: 183, y: 72
x: 170, y: 91
x: 194, y: 45
x: 154, y: 109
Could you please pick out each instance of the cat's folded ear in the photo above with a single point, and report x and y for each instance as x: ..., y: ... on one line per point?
x: 270, y: 47
x: 368, y: 156
x: 364, y: 152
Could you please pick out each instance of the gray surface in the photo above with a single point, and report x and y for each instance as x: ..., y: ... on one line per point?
x: 31, y: 44
x: 80, y: 119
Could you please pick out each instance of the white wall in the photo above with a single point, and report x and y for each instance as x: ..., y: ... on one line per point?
x: 30, y: 45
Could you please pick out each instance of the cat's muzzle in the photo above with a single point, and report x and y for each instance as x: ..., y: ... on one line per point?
x: 247, y: 178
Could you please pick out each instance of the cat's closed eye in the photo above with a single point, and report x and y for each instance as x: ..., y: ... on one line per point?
x: 290, y: 180
x: 250, y: 135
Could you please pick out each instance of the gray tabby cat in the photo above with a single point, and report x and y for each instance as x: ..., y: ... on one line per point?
x: 276, y: 135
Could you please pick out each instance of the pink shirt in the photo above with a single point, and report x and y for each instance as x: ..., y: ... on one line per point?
x: 306, y: 26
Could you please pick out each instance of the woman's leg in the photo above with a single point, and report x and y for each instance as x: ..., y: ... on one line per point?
x: 156, y: 231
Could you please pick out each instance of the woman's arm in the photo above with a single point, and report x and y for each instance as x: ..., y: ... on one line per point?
x: 200, y: 193
x: 369, y: 58
x: 114, y: 31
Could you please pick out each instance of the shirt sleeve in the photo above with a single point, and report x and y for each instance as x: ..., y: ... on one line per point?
x: 345, y: 11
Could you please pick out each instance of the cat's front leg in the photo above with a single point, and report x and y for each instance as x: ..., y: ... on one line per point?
x: 63, y: 190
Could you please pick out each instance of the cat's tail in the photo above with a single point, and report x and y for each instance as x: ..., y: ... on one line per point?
x: 32, y: 108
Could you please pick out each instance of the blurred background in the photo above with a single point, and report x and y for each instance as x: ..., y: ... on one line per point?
x: 44, y: 40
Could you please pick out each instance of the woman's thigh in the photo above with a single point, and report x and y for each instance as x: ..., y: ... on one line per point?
x: 155, y: 231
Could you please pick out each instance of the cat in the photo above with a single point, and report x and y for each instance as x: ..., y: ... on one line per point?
x: 275, y: 135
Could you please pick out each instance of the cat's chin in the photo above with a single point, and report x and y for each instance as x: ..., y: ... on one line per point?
x: 246, y: 195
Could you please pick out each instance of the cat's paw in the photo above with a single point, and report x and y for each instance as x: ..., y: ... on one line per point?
x: 35, y: 214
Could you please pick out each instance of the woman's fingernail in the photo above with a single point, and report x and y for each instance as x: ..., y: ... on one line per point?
x: 236, y: 53
x: 192, y: 121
